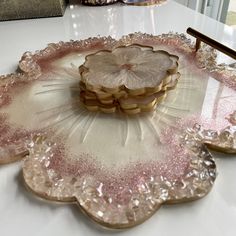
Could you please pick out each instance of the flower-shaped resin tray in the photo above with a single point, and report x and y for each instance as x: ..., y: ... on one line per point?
x: 118, y: 169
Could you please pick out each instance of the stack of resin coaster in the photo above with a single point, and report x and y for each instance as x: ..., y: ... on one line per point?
x: 132, y: 79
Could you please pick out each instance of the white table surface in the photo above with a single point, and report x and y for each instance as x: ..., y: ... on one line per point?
x: 23, y: 214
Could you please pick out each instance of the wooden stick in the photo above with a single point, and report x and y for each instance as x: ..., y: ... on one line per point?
x: 213, y: 43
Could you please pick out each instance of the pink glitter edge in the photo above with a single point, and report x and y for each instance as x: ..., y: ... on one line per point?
x: 30, y: 62
x: 115, y: 181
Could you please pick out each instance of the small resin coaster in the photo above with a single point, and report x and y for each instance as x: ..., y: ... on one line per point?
x: 130, y: 79
x: 119, y: 169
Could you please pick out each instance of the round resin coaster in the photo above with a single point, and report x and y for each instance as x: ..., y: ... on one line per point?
x: 130, y: 79
x: 144, y: 2
x: 118, y: 168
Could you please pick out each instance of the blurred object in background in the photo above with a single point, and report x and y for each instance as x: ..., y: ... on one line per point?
x: 221, y: 10
x: 98, y: 2
x: 130, y: 2
x: 22, y: 9
x: 143, y: 2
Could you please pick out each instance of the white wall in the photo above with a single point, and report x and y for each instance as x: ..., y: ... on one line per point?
x: 216, y: 9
